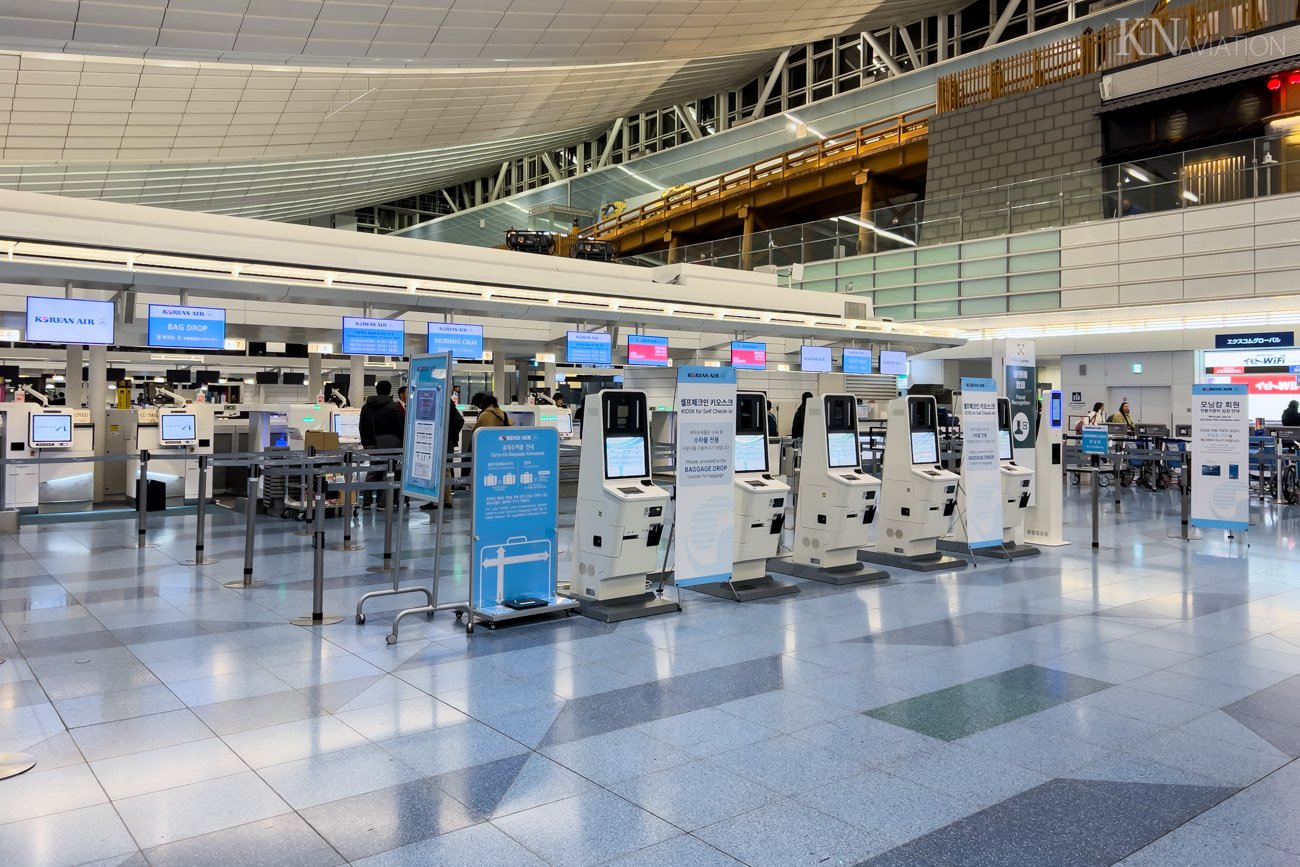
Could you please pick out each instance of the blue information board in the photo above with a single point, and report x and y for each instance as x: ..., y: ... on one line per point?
x: 177, y: 327
x: 1095, y: 439
x: 589, y: 347
x: 516, y: 494
x: 425, y: 446
x: 460, y: 339
x: 857, y: 360
x: 373, y: 336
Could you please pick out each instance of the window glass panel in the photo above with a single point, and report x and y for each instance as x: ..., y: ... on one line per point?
x: 1036, y: 241
x: 1048, y: 260
x: 1043, y: 301
x: 983, y: 306
x: 1036, y: 282
x: 987, y: 286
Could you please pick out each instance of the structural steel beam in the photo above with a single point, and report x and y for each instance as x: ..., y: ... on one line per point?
x: 771, y: 84
x: 879, y: 51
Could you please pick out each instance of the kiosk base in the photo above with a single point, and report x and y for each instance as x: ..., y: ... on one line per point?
x: 1005, y: 551
x: 851, y: 573
x: 747, y: 589
x: 618, y: 610
x: 936, y: 562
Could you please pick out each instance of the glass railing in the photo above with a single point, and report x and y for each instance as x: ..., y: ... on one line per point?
x: 1243, y: 170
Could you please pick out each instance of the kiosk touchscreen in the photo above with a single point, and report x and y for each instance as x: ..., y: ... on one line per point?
x: 760, y: 505
x: 621, y: 513
x: 836, y: 501
x: 920, y: 496
x: 50, y: 430
x: 177, y: 429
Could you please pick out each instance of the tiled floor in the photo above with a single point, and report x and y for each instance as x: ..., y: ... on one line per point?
x: 1139, y: 705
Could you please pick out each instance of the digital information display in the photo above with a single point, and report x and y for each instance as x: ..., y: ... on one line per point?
x: 647, y: 351
x: 751, y: 453
x: 857, y: 361
x: 1056, y: 410
x: 925, y: 447
x: 461, y: 340
x: 177, y: 429
x: 748, y: 356
x: 815, y: 359
x: 893, y: 363
x: 1004, y: 446
x: 176, y: 327
x: 625, y: 458
x: 589, y: 347
x: 65, y: 320
x: 50, y: 430
x: 348, y: 426
x: 842, y: 449
x: 373, y: 336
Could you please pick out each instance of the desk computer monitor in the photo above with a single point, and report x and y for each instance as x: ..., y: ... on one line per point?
x: 347, y: 426
x: 564, y: 423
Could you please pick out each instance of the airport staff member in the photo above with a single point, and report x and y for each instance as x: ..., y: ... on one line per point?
x: 1291, y: 415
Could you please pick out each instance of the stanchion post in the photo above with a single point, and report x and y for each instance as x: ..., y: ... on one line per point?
x: 142, y: 505
x: 387, y: 564
x: 347, y: 504
x: 318, y: 617
x: 200, y: 559
x: 250, y: 530
x: 1096, y: 507
x: 1187, y: 496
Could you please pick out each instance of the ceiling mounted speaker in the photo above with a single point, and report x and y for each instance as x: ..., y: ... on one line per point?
x: 128, y: 307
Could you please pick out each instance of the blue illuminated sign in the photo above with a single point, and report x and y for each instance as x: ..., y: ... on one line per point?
x: 857, y: 361
x: 373, y: 336
x: 171, y: 326
x: 462, y: 341
x: 589, y: 347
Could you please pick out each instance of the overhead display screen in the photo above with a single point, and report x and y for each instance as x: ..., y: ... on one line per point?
x: 857, y: 361
x: 647, y: 350
x: 893, y: 363
x: 815, y: 359
x: 373, y: 336
x: 175, y: 327
x: 589, y: 347
x: 461, y: 340
x: 50, y: 430
x: 842, y: 449
x: 751, y: 453
x: 925, y: 447
x: 67, y: 320
x: 625, y: 458
x: 746, y: 355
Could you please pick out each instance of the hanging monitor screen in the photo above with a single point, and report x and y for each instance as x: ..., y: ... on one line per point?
x: 625, y: 458
x: 857, y: 361
x: 50, y: 430
x: 177, y: 429
x: 647, y: 350
x: 925, y: 447
x: 751, y: 453
x: 1004, y: 446
x: 589, y: 347
x: 172, y: 326
x: 842, y: 449
x: 461, y: 340
x: 748, y: 356
x: 373, y: 336
x: 66, y: 320
x: 815, y: 359
x: 893, y: 363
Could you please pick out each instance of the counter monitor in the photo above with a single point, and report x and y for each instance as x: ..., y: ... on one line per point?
x: 347, y: 426
x: 177, y: 429
x: 751, y: 453
x: 50, y: 430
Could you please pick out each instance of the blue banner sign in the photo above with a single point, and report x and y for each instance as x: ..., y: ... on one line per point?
x: 515, y: 543
x: 175, y: 327
x: 425, y: 445
x: 589, y: 347
x: 857, y: 360
x: 461, y: 340
x: 1257, y: 340
x: 373, y: 336
x: 1096, y: 439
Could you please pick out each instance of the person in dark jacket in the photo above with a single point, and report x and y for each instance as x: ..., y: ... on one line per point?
x: 382, y: 419
x: 1291, y: 415
x: 455, y: 424
x: 796, y: 427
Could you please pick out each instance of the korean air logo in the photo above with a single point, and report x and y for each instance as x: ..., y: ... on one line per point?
x: 69, y: 320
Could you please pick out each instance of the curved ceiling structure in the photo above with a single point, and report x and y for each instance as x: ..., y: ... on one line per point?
x: 289, y: 108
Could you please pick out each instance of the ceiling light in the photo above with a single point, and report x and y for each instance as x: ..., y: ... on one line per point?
x: 1138, y: 173
x: 1191, y: 197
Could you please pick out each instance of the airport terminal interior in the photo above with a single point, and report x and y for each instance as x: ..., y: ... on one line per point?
x: 530, y: 432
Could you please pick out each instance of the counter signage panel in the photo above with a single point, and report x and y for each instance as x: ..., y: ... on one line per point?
x: 460, y: 339
x: 857, y: 361
x: 646, y: 350
x: 815, y: 359
x: 67, y: 320
x: 373, y: 336
x: 746, y: 355
x: 175, y: 327
x: 589, y: 347
x: 893, y: 363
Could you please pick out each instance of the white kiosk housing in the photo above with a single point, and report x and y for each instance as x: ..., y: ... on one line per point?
x: 621, y: 513
x: 920, y: 496
x: 837, y: 501
x: 19, y: 487
x: 167, y: 433
x: 1045, y: 519
x: 1017, y: 493
x: 760, y: 510
x: 34, y: 431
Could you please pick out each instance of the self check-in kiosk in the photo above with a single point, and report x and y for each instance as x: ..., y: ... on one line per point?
x: 1017, y: 493
x: 920, y: 496
x: 171, y: 435
x: 21, y: 482
x: 621, y: 513
x: 760, y: 505
x: 837, y: 501
x: 61, y: 432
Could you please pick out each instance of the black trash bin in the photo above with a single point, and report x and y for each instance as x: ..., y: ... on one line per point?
x: 155, y: 498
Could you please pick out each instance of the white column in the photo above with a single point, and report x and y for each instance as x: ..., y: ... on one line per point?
x: 498, y: 371
x: 97, y: 400
x: 72, y: 375
x: 548, y: 371
x: 314, y: 379
x: 357, y: 385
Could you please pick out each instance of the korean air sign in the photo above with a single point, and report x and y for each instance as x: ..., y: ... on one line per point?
x: 1265, y: 339
x: 67, y: 320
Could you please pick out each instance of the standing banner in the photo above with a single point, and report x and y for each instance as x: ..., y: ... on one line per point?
x: 1021, y: 381
x: 1220, y: 457
x: 980, y: 469
x: 706, y: 488
x: 513, y: 555
x: 425, y: 446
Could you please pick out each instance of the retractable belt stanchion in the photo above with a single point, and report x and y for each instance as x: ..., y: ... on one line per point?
x: 318, y: 617
x: 200, y: 559
x: 349, y: 498
x: 387, y: 564
x: 1096, y: 507
x: 142, y: 505
x: 432, y: 607
x: 250, y: 527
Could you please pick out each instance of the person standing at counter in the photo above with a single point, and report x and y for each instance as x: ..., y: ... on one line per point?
x: 381, y: 426
x: 491, y: 414
x: 1291, y: 415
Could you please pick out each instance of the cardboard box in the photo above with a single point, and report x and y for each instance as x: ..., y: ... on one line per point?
x: 321, y: 440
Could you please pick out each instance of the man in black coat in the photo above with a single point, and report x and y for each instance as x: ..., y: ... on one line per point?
x: 382, y: 419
